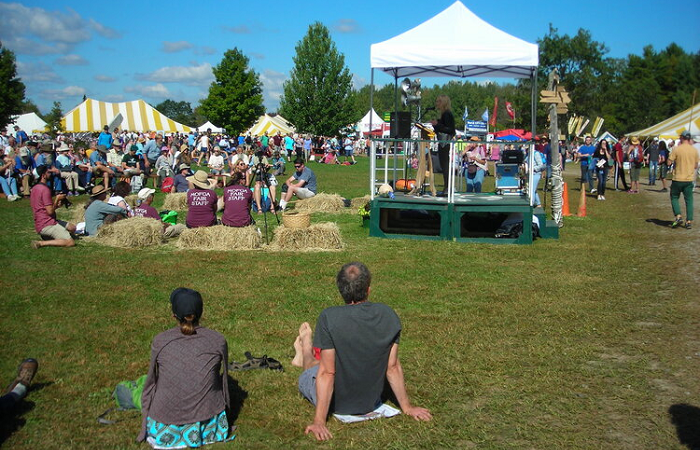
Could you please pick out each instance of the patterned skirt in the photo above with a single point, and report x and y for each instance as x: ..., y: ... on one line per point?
x: 191, y: 435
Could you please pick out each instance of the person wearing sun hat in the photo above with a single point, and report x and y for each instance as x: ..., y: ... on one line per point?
x: 635, y: 156
x: 201, y: 201
x: 685, y: 162
x: 97, y: 210
x: 186, y: 396
x: 65, y: 164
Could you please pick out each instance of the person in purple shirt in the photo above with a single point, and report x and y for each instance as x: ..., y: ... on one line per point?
x: 144, y: 209
x: 237, y: 202
x: 201, y: 201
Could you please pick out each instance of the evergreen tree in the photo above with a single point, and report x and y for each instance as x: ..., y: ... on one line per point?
x: 53, y: 119
x: 235, y: 97
x: 11, y: 87
x: 317, y: 96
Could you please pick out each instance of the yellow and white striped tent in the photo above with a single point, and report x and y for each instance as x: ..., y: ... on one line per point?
x: 93, y: 115
x: 671, y: 128
x: 271, y: 124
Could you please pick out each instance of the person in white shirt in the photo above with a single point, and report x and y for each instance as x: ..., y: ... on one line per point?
x: 216, y: 164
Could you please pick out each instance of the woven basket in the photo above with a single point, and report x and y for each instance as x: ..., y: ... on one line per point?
x: 296, y: 220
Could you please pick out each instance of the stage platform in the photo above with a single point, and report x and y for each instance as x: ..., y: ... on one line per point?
x: 471, y: 218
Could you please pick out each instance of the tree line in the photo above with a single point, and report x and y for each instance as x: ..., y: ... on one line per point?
x: 629, y: 93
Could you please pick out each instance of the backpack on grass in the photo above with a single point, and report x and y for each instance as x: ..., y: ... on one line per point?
x: 127, y: 395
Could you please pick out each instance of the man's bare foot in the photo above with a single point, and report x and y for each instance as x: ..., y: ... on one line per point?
x: 305, y: 334
x: 298, y: 360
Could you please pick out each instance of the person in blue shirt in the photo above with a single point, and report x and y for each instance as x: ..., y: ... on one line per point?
x: 585, y: 153
x: 302, y: 183
x: 100, y: 168
x: 20, y: 137
x: 105, y: 138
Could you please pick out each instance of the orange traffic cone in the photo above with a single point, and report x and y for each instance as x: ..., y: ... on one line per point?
x: 582, y: 203
x: 565, y: 204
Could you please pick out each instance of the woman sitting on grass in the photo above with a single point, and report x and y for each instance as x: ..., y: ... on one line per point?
x: 201, y: 201
x: 185, y: 397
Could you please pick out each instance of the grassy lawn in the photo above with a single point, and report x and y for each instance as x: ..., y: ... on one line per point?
x: 584, y: 342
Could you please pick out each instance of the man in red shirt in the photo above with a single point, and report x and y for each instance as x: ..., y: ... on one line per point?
x: 54, y: 233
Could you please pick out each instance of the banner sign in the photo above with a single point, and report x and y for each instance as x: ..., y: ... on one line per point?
x: 476, y: 126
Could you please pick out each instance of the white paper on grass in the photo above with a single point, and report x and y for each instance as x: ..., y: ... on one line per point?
x: 382, y: 410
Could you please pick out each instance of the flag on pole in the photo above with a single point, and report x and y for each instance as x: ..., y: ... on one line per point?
x: 485, y: 115
x: 495, y: 112
x: 510, y: 110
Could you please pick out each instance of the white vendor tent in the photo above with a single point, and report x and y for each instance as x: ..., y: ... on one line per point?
x: 272, y: 125
x: 363, y: 126
x: 209, y: 126
x: 608, y: 136
x: 93, y: 115
x: 672, y: 127
x: 455, y: 43
x: 30, y: 123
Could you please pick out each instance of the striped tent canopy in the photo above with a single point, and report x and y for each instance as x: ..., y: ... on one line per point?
x: 93, y: 115
x: 672, y: 128
x: 271, y: 124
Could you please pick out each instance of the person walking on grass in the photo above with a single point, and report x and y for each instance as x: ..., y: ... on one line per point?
x: 685, y: 159
x: 358, y: 344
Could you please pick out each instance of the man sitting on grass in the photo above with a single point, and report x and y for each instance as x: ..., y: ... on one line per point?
x: 359, y: 346
x: 54, y: 233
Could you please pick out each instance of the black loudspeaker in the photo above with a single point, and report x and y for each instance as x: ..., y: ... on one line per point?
x: 512, y: 157
x: 401, y: 129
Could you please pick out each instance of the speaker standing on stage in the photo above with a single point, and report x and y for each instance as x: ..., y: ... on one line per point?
x: 445, y: 129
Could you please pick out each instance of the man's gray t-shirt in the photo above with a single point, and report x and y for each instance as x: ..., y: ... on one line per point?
x: 362, y: 336
x: 309, y: 178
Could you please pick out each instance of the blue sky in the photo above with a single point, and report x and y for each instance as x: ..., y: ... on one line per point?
x: 156, y: 50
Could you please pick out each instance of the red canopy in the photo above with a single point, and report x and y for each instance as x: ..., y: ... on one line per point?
x: 514, y: 131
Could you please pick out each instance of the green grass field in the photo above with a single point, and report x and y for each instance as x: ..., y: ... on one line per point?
x: 585, y: 342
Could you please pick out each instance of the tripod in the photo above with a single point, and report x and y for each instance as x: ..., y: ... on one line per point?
x: 260, y: 174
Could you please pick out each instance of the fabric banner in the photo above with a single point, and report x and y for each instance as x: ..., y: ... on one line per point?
x: 510, y: 110
x: 495, y: 112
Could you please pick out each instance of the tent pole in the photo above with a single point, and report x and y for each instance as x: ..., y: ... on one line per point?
x: 533, y: 124
x: 372, y: 147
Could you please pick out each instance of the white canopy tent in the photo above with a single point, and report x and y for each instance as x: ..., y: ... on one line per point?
x: 30, y: 123
x: 371, y: 122
x: 456, y: 43
x: 209, y: 126
x: 672, y: 127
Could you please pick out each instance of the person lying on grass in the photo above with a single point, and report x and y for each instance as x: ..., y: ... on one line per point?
x: 359, y: 346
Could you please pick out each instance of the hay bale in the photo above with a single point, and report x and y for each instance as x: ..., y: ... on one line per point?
x: 320, y: 236
x: 131, y: 200
x: 220, y: 237
x: 176, y: 201
x: 358, y: 202
x: 131, y: 233
x: 321, y: 203
x: 78, y: 213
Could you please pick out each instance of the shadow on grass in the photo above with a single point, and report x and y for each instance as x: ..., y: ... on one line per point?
x: 11, y: 421
x: 661, y: 223
x: 686, y: 418
x: 237, y: 396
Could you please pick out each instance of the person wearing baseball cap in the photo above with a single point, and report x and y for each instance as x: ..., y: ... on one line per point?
x: 686, y: 160
x: 187, y: 380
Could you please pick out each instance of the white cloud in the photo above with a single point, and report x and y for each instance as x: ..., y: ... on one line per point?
x: 272, y: 88
x: 195, y: 75
x: 240, y: 29
x: 37, y: 72
x: 173, y: 47
x: 358, y: 82
x: 205, y: 50
x: 71, y: 60
x: 154, y: 91
x: 39, y: 31
x: 66, y: 92
x: 113, y: 98
x: 346, y: 26
x: 104, y: 30
x: 104, y: 78
x: 256, y: 55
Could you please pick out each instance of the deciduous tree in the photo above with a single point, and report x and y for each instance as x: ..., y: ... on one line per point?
x: 11, y: 87
x: 235, y: 97
x: 317, y: 96
x: 178, y: 111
